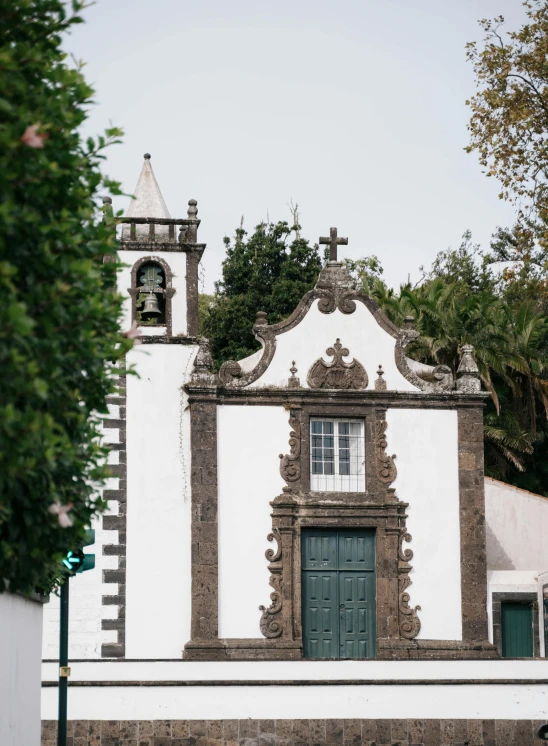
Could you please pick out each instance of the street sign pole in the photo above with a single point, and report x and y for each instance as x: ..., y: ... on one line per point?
x: 63, y: 664
x: 75, y: 561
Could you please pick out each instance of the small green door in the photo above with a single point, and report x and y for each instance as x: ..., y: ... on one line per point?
x: 338, y: 595
x: 517, y: 630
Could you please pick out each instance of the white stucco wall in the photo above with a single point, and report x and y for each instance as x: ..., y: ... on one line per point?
x: 426, y: 445
x: 517, y: 527
x: 158, y: 503
x: 20, y: 661
x: 248, y: 479
x: 308, y: 341
x: 176, y: 260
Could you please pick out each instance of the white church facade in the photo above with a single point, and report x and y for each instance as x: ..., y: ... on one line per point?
x: 298, y: 549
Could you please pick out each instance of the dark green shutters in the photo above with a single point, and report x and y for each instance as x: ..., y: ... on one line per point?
x: 338, y: 568
x: 517, y: 630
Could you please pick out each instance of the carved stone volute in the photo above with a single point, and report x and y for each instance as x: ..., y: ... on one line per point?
x: 410, y: 624
x: 335, y: 288
x: 386, y: 470
x: 290, y: 464
x: 271, y: 622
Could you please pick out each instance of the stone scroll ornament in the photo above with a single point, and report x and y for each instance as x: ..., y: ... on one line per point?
x: 410, y: 624
x: 337, y: 374
x: 271, y: 626
x: 385, y: 466
x: 290, y: 464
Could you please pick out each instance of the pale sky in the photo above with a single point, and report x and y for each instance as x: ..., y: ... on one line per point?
x: 354, y: 109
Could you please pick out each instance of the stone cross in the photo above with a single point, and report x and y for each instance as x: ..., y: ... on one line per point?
x: 333, y: 242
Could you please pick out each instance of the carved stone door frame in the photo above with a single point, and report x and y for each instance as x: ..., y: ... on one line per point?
x: 378, y: 507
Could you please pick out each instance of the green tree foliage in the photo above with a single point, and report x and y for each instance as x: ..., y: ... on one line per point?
x: 267, y: 271
x: 509, y: 113
x: 59, y: 317
x: 509, y: 132
x: 461, y: 300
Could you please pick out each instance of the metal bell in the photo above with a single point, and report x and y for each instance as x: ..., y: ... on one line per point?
x: 151, y: 307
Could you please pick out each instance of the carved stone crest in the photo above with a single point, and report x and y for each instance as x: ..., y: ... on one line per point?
x: 337, y: 374
x: 270, y: 626
x: 410, y: 624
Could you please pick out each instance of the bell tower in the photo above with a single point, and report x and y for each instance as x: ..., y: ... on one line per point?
x: 149, y: 429
x: 162, y: 254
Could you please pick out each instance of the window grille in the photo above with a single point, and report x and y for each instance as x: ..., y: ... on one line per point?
x: 337, y: 455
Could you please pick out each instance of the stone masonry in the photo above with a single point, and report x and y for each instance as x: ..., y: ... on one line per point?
x: 289, y: 732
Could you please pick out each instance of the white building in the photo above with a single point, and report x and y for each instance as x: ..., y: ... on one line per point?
x: 296, y: 550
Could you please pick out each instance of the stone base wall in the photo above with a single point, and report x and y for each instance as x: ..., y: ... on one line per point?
x: 290, y: 732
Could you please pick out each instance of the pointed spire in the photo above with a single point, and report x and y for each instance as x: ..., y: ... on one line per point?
x: 148, y: 202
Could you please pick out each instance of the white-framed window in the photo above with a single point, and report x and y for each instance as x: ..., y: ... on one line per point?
x: 337, y: 455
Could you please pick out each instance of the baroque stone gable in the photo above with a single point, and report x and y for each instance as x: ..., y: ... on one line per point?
x: 335, y: 289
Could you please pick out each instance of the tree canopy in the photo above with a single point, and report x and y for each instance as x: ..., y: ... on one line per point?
x: 268, y: 271
x: 59, y: 315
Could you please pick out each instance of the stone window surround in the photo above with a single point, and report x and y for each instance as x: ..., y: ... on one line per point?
x: 169, y: 290
x: 349, y: 510
x: 529, y: 598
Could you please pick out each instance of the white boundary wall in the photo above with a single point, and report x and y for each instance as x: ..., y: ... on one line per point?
x: 20, y: 660
x: 367, y: 699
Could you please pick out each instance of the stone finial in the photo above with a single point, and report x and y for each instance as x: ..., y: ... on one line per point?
x: 468, y: 381
x: 293, y: 382
x: 107, y: 209
x: 380, y: 383
x: 409, y: 332
x: 192, y: 211
x: 147, y: 156
x: 202, y: 365
x: 261, y: 319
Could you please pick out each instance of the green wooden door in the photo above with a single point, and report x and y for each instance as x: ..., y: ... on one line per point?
x: 517, y: 630
x: 338, y: 593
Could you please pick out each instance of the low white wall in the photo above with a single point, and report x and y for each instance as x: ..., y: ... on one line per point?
x: 309, y: 340
x: 20, y: 659
x: 425, y: 443
x: 158, y: 574
x: 508, y: 702
x: 249, y: 440
x: 517, y: 527
x: 176, y: 261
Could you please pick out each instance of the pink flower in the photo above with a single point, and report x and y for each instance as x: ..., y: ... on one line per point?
x: 31, y: 137
x: 133, y: 333
x: 61, y: 511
